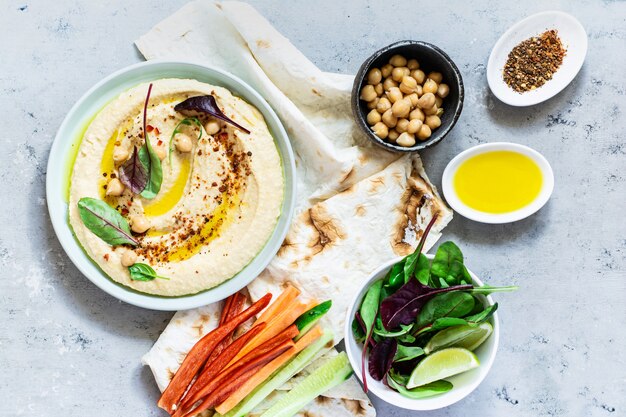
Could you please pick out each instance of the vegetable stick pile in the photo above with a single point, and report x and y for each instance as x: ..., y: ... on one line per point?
x: 220, y: 371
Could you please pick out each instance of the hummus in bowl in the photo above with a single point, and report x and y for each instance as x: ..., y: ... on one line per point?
x: 224, y: 194
x: 220, y: 195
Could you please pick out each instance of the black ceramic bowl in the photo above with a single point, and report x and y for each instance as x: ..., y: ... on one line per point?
x: 431, y: 58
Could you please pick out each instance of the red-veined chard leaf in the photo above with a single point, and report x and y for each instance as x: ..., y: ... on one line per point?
x: 381, y: 358
x: 208, y: 105
x: 149, y: 158
x: 404, y: 305
x: 134, y: 174
x: 105, y: 222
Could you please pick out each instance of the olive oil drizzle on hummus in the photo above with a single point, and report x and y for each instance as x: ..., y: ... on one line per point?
x: 164, y: 203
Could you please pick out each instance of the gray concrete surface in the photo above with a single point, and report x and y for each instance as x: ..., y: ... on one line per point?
x: 66, y: 348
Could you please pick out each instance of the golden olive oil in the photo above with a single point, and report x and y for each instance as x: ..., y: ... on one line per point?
x: 498, y: 181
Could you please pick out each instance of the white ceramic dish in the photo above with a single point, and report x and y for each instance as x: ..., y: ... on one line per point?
x: 68, y: 138
x: 574, y: 39
x: 479, y: 216
x: 463, y: 383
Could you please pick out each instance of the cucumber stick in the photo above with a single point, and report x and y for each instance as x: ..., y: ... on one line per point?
x: 281, y: 376
x: 308, y: 319
x: 332, y: 373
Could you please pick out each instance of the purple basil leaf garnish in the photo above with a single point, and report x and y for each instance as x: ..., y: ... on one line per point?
x: 404, y: 305
x: 208, y: 105
x: 381, y: 358
x: 134, y: 174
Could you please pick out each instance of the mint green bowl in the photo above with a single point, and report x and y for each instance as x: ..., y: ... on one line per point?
x: 68, y: 139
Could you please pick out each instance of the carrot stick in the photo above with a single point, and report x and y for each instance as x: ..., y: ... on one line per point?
x: 237, y: 377
x: 259, y: 377
x: 217, y: 365
x: 199, y: 354
x: 235, y: 307
x: 275, y: 326
x: 284, y: 299
x: 226, y: 309
x: 206, y: 385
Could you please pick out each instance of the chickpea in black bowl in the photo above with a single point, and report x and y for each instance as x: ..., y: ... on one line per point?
x: 407, y: 96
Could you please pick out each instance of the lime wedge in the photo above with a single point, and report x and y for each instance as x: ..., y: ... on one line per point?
x: 442, y: 364
x: 463, y: 336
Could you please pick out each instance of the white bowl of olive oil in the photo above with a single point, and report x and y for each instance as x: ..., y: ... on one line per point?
x: 498, y: 182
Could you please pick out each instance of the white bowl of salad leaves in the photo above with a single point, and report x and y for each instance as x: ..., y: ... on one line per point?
x: 422, y: 333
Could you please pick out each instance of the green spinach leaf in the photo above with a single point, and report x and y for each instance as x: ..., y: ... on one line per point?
x: 406, y: 338
x: 422, y: 270
x: 369, y: 306
x: 448, y: 263
x: 450, y: 304
x: 357, y: 331
x: 381, y: 331
x: 407, y: 353
x: 472, y: 321
x: 483, y: 315
x: 395, y: 278
x: 428, y: 390
x: 368, y: 312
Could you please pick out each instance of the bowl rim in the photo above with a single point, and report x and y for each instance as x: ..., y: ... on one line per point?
x: 58, y: 206
x: 547, y: 186
x: 530, y: 98
x: 361, y: 74
x: 432, y: 403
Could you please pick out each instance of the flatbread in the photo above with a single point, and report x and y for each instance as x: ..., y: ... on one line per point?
x: 357, y: 206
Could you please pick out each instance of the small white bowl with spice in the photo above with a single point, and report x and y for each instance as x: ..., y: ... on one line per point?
x: 536, y: 58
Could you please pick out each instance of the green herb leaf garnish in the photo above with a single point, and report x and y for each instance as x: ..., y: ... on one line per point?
x: 150, y: 159
x: 178, y: 129
x: 105, y: 222
x: 143, y: 272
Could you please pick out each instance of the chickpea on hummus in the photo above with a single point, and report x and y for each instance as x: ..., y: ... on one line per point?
x: 212, y: 193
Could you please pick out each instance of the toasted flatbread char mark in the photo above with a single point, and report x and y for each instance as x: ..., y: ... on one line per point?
x: 325, y: 232
x: 360, y: 210
x: 322, y: 400
x: 417, y: 197
x: 355, y: 407
x: 347, y: 177
x: 376, y: 184
x: 328, y: 230
x: 285, y: 247
x: 203, y: 321
x: 199, y: 353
